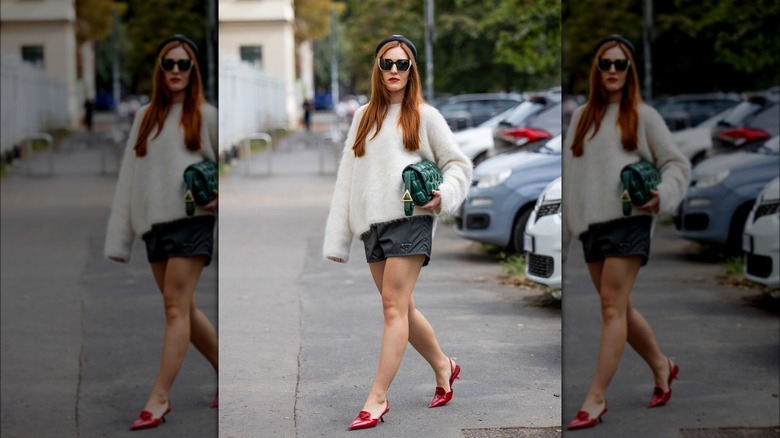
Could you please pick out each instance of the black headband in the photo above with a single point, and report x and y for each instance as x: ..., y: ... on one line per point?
x: 399, y: 38
x: 182, y: 39
x: 618, y: 38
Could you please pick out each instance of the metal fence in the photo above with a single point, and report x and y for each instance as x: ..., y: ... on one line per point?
x: 250, y: 101
x: 33, y: 101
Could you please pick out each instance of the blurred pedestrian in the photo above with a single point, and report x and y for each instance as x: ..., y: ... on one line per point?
x: 307, y: 109
x: 613, y: 129
x: 89, y: 111
x: 176, y: 129
x: 396, y: 128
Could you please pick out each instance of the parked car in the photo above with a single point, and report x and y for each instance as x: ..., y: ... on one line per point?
x: 503, y: 194
x: 756, y: 119
x: 761, y: 240
x: 688, y: 110
x: 469, y: 110
x: 722, y: 192
x: 542, y: 238
x: 536, y: 119
x: 477, y: 142
x: 696, y: 143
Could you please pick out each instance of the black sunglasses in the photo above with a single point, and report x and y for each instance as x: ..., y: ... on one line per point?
x: 168, y: 64
x: 387, y: 64
x: 606, y: 64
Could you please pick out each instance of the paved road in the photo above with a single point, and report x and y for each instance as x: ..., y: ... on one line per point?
x: 726, y: 346
x: 81, y: 336
x: 299, y: 336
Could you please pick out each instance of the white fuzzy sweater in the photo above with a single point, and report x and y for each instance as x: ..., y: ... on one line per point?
x: 591, y: 182
x: 150, y: 189
x: 369, y: 189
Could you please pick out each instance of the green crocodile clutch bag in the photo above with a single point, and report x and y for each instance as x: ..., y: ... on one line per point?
x: 638, y: 179
x: 201, y: 181
x: 420, y: 180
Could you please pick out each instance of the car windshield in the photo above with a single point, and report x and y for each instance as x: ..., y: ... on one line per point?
x: 712, y: 121
x: 552, y: 147
x: 521, y: 112
x: 495, y: 120
x: 769, y: 147
x: 742, y: 111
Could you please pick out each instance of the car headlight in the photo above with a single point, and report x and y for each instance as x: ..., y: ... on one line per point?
x: 712, y: 179
x: 494, y: 179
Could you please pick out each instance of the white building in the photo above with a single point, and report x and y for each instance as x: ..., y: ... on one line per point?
x: 261, y: 32
x: 43, y: 33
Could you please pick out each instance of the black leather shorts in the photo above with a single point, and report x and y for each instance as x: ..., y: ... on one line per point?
x: 618, y: 238
x: 186, y: 237
x: 403, y: 237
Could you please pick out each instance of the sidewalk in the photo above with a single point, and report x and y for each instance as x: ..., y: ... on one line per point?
x: 299, y: 336
x: 81, y: 336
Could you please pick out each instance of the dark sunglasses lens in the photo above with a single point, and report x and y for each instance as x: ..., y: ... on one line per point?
x: 403, y: 64
x: 184, y: 64
x: 385, y: 64
x: 620, y: 64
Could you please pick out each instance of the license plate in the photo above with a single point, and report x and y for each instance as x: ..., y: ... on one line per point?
x: 747, y: 243
x: 528, y: 243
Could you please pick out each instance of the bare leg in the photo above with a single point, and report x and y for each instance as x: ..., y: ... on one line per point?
x: 421, y: 334
x: 179, y: 275
x: 617, y: 276
x: 640, y: 336
x: 398, y: 280
x: 202, y: 333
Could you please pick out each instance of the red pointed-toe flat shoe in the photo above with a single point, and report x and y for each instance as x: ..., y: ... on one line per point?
x: 660, y: 397
x: 441, y: 397
x: 215, y: 403
x: 146, y: 421
x: 364, y: 420
x: 583, y: 420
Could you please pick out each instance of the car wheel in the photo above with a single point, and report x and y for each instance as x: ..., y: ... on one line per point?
x: 479, y: 158
x: 519, y: 229
x: 734, y: 243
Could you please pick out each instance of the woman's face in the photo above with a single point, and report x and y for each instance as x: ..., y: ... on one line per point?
x: 395, y: 80
x: 613, y: 79
x: 176, y: 79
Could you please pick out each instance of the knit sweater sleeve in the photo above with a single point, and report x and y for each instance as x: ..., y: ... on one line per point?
x: 119, y: 233
x: 211, y: 120
x: 674, y: 167
x: 454, y: 165
x: 338, y: 234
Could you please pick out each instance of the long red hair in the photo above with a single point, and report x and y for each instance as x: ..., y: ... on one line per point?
x: 379, y: 104
x: 598, y: 100
x: 162, y: 99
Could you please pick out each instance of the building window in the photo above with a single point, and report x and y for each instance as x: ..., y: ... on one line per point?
x: 33, y: 55
x: 253, y: 55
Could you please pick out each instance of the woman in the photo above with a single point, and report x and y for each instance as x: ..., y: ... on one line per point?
x: 176, y: 129
x: 613, y: 129
x: 396, y: 128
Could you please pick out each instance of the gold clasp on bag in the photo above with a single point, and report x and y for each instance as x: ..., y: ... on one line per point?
x: 188, y: 197
x: 625, y: 197
x: 407, y: 197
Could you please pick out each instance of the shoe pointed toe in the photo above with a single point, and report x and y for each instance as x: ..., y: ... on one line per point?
x: 146, y: 419
x: 364, y: 420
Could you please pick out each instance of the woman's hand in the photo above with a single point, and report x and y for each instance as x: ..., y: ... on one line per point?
x: 213, y: 205
x: 653, y: 205
x: 434, y: 203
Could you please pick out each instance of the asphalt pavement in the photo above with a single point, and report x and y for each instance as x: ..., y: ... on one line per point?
x: 81, y: 336
x: 300, y: 336
x: 725, y: 340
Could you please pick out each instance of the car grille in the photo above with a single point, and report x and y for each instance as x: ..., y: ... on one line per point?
x: 759, y: 266
x: 548, y: 209
x: 540, y: 266
x: 766, y: 210
x: 696, y: 221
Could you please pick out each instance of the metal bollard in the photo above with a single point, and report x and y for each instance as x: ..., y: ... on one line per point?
x: 247, y: 143
x: 28, y: 150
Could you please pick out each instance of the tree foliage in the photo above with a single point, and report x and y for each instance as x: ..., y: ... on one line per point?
x: 696, y: 46
x: 93, y: 18
x: 312, y: 18
x: 512, y: 45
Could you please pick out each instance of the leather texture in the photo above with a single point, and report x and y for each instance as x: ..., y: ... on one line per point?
x: 420, y: 180
x: 638, y: 179
x: 201, y: 182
